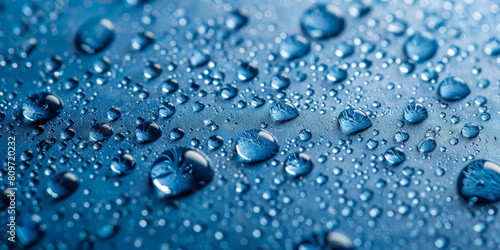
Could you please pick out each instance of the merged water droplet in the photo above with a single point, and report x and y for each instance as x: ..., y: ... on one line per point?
x: 298, y: 164
x: 415, y: 113
x: 41, y: 107
x: 255, y: 146
x: 62, y: 185
x: 453, y: 89
x: 95, y: 35
x: 123, y: 164
x: 294, y: 46
x: 420, y: 47
x: 479, y: 182
x: 352, y: 121
x: 322, y: 21
x: 100, y: 132
x: 394, y: 156
x: 180, y: 171
x: 147, y: 132
x: 283, y: 111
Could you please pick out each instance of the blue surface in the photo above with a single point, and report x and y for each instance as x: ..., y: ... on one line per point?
x: 208, y: 71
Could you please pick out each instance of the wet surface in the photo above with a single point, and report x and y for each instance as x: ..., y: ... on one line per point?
x: 251, y: 124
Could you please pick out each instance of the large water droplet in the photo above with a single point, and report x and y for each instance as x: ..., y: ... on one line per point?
x: 255, y: 146
x: 492, y: 47
x: 41, y: 107
x: 394, y: 156
x: 142, y: 40
x: 280, y: 81
x: 147, y: 132
x: 426, y: 145
x: 123, y: 164
x: 336, y: 74
x: 247, y: 72
x: 100, y: 132
x: 353, y: 121
x: 322, y: 21
x: 283, y: 111
x: 298, y: 164
x: 30, y: 229
x: 294, y: 46
x: 470, y: 130
x: 453, y: 89
x: 179, y: 171
x: 198, y: 58
x: 62, y: 184
x: 95, y: 35
x: 420, y: 47
x: 479, y: 182
x: 415, y: 113
x: 236, y: 20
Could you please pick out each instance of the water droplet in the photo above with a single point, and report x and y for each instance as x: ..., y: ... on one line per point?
x: 176, y: 134
x: 167, y: 110
x: 322, y: 21
x: 420, y: 47
x: 147, y: 132
x: 394, y: 156
x: 142, y: 40
x: 229, y: 91
x: 30, y: 229
x: 352, y: 121
x: 255, y: 146
x: 41, y: 107
x: 215, y: 142
x: 426, y: 145
x: 198, y: 58
x: 305, y: 135
x: 180, y: 171
x: 114, y: 113
x: 294, y: 46
x: 95, y: 35
x: 123, y: 164
x: 415, y: 113
x: 470, y: 130
x: 336, y: 74
x: 62, y: 184
x: 283, y: 111
x: 247, y: 72
x: 492, y: 47
x: 453, y: 89
x: 280, y: 81
x: 479, y: 182
x: 236, y: 20
x: 298, y: 164
x: 100, y: 132
x: 169, y: 86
